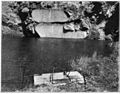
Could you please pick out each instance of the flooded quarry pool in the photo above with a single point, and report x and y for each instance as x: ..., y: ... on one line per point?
x: 24, y: 57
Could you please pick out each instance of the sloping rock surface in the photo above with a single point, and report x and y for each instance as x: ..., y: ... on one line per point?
x: 53, y: 15
x: 56, y: 31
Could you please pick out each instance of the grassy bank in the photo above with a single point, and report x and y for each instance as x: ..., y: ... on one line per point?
x: 101, y: 73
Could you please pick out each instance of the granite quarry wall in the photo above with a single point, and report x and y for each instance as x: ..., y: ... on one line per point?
x: 49, y: 15
x: 15, y: 17
x: 57, y: 31
x: 52, y: 23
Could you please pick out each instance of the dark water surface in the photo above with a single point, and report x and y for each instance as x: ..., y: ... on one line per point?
x: 24, y: 57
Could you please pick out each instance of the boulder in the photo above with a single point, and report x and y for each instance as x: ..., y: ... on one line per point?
x: 56, y: 31
x: 25, y: 9
x: 101, y: 34
x: 49, y: 30
x: 52, y: 15
x: 69, y: 26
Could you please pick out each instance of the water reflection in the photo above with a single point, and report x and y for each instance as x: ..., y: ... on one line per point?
x: 24, y: 57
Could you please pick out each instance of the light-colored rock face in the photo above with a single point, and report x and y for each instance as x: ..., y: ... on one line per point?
x: 48, y: 29
x: 49, y: 15
x: 56, y: 31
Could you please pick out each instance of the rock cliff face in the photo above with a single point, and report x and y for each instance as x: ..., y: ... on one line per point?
x: 49, y: 15
x: 52, y: 24
x: 76, y: 18
x: 10, y: 21
x: 57, y: 31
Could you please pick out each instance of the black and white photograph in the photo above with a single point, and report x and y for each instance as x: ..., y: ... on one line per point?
x: 60, y: 46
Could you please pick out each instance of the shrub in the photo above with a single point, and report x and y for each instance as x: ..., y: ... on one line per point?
x: 100, y: 72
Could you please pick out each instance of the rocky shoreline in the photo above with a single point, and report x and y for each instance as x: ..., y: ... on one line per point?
x: 19, y: 17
